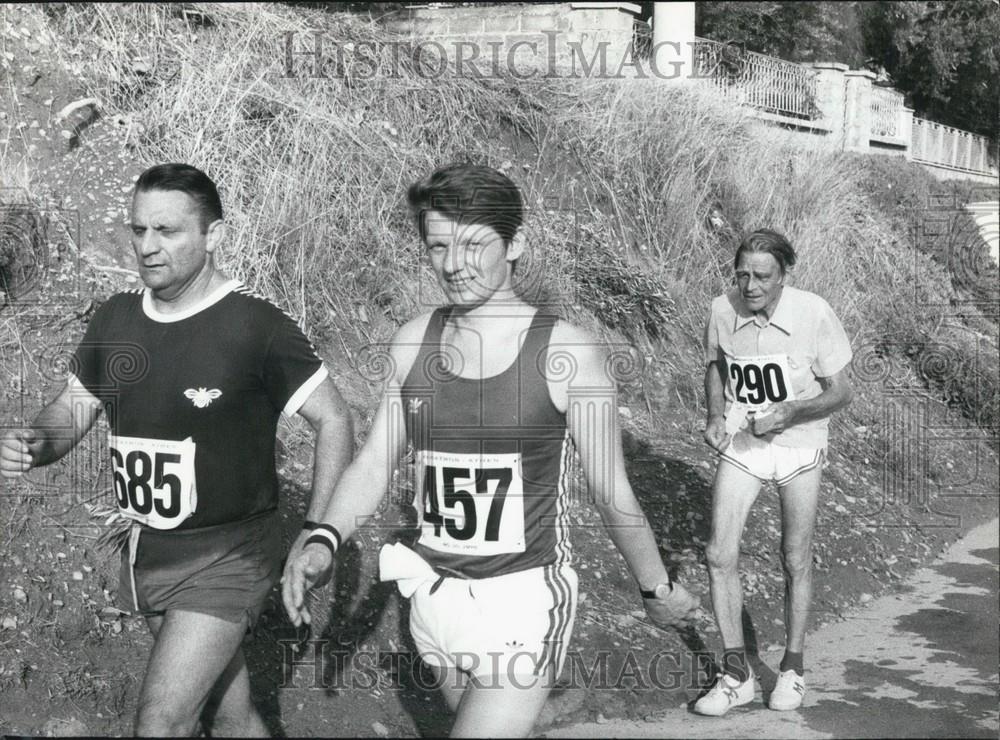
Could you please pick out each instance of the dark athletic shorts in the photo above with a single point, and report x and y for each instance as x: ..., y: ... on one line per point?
x: 226, y: 571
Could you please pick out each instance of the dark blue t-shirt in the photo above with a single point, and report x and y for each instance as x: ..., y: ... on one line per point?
x: 196, y: 395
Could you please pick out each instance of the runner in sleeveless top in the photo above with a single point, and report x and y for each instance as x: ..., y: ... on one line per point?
x: 193, y: 373
x: 490, y: 394
x: 777, y: 359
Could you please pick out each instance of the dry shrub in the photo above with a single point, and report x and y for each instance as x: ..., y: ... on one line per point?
x: 679, y: 174
x: 313, y: 172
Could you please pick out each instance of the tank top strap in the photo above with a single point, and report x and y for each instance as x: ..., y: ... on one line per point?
x: 420, y: 376
x: 535, y: 349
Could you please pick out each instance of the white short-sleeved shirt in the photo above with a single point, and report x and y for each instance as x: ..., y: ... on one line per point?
x: 778, y: 360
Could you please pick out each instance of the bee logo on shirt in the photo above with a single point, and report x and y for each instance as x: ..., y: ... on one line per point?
x: 202, y: 397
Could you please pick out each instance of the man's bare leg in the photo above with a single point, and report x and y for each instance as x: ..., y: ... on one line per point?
x: 232, y: 711
x: 452, y: 683
x: 191, y: 652
x: 733, y: 493
x: 502, y: 706
x: 799, y: 499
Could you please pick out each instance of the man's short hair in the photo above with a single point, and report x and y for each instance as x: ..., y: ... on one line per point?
x: 766, y: 241
x: 468, y: 194
x: 186, y: 179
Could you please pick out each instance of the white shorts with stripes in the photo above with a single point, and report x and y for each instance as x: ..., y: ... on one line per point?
x: 768, y: 461
x: 517, y: 624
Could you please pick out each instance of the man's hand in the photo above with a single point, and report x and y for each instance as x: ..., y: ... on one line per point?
x: 19, y: 450
x: 775, y: 419
x: 672, y: 609
x: 304, y: 570
x: 715, y: 434
x: 294, y: 552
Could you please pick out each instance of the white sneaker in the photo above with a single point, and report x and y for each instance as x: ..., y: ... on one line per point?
x: 727, y: 692
x: 787, y: 692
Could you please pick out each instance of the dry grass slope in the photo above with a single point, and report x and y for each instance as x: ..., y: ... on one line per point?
x: 637, y: 191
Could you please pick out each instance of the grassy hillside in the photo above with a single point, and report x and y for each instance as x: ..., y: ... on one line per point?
x: 637, y: 190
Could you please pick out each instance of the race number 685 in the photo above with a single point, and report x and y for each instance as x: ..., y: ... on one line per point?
x: 147, y: 484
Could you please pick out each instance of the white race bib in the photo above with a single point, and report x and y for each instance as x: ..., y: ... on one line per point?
x: 154, y: 480
x: 755, y: 384
x: 470, y: 504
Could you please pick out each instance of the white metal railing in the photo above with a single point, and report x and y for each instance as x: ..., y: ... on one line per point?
x: 935, y: 143
x: 887, y: 105
x: 763, y: 82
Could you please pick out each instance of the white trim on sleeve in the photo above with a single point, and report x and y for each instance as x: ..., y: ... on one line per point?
x: 305, y: 390
x: 78, y: 389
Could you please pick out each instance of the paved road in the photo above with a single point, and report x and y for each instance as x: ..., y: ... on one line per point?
x: 919, y: 664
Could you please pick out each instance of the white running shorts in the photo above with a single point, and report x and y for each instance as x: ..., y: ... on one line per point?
x: 517, y: 624
x: 769, y: 461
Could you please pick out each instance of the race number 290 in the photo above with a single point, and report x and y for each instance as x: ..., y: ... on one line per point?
x: 758, y: 383
x: 147, y: 483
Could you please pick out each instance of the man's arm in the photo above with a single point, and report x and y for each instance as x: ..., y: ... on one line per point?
x: 715, y: 383
x: 715, y: 397
x: 366, y: 480
x: 592, y: 416
x: 330, y: 417
x: 356, y: 497
x: 837, y: 393
x: 55, y: 431
x: 363, y: 484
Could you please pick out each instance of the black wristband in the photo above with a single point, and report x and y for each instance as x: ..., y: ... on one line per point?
x: 651, y: 593
x: 318, y: 540
x: 309, y: 524
x: 324, y: 534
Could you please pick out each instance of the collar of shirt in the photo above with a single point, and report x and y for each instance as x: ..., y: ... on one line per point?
x: 780, y: 319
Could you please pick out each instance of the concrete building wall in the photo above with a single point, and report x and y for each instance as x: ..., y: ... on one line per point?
x: 595, y: 39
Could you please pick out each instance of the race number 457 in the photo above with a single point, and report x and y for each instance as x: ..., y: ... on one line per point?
x: 154, y: 480
x: 472, y: 504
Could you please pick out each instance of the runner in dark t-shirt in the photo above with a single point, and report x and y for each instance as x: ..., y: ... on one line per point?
x: 220, y: 374
x: 193, y: 373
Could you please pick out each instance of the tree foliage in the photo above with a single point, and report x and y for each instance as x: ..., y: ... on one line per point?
x: 797, y: 31
x: 942, y: 53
